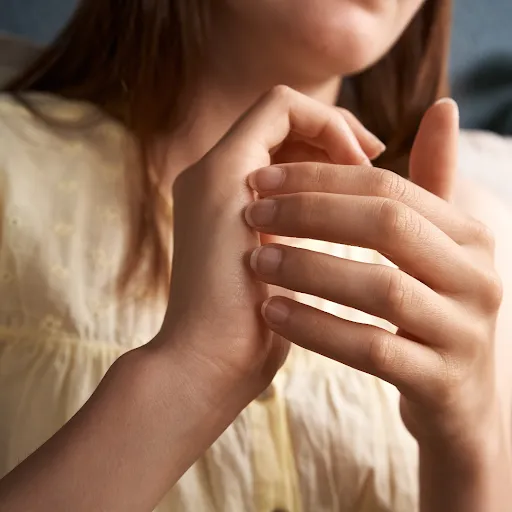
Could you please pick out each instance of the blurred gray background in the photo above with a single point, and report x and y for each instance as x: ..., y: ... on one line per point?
x: 481, y: 60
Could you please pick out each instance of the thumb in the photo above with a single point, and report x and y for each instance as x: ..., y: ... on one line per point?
x: 433, y: 164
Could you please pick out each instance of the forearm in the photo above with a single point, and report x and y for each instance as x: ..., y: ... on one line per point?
x: 475, y: 480
x: 145, y: 425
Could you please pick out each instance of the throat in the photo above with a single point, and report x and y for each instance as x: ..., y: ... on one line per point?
x: 215, y: 108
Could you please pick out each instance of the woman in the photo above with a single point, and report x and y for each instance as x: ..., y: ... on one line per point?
x: 171, y: 78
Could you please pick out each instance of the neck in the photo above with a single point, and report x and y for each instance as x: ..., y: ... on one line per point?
x: 218, y: 104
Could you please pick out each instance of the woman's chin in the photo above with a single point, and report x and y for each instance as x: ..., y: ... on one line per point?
x: 349, y: 58
x: 343, y: 49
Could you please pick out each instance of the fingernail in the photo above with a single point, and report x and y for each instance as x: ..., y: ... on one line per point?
x: 269, y: 178
x: 275, y: 311
x: 260, y: 213
x: 379, y: 148
x: 266, y: 259
x: 448, y: 100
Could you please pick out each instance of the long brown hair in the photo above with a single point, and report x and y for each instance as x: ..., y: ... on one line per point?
x: 139, y: 60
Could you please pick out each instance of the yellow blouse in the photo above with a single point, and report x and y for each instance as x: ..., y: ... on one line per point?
x: 322, y: 438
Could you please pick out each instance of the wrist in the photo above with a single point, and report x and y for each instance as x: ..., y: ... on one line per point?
x: 210, y: 386
x: 176, y: 399
x: 473, y: 449
x: 470, y: 477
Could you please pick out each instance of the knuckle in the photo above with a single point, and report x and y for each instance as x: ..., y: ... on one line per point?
x: 383, y: 352
x: 491, y: 287
x: 280, y: 93
x: 388, y: 184
x: 396, y: 221
x: 392, y: 289
x: 482, y: 235
x: 390, y: 217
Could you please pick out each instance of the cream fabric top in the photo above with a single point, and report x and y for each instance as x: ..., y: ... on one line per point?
x: 323, y: 438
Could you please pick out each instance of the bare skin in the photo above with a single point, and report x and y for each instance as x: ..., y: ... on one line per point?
x: 215, y: 354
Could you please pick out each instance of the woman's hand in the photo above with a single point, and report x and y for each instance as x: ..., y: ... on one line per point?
x: 444, y: 296
x: 214, y: 300
x: 153, y: 416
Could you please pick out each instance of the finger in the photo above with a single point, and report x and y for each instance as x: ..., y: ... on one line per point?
x: 390, y: 227
x: 433, y: 163
x: 378, y: 290
x: 283, y: 111
x: 295, y: 150
x: 370, y: 143
x: 411, y: 367
x: 365, y: 181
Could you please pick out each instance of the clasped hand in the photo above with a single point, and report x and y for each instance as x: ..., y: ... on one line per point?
x: 442, y: 293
